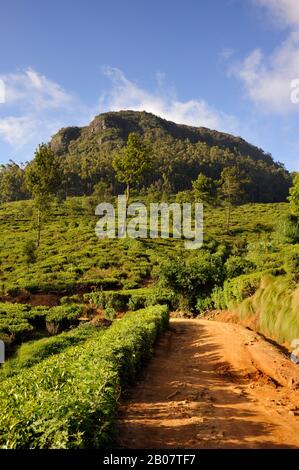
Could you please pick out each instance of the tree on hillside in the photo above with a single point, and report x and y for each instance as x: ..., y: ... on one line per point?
x: 12, y: 187
x: 294, y: 196
x: 205, y: 189
x: 232, y: 189
x: 192, y: 278
x: 102, y: 191
x: 42, y: 179
x: 29, y: 251
x: 131, y: 164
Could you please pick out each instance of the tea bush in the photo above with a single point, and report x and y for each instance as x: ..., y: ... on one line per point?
x: 70, y: 400
x: 19, y: 322
x: 292, y: 266
x: 14, y: 324
x: 62, y: 317
x: 287, y: 229
x: 136, y: 302
x: 70, y: 251
x: 236, y: 290
x: 131, y: 298
x: 73, y: 299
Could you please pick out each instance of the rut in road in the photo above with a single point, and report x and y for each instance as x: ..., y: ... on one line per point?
x: 202, y: 390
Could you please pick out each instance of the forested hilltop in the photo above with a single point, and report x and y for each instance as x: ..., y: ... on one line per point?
x: 179, y: 153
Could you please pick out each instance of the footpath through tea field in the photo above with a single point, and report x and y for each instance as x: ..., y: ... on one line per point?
x: 213, y: 385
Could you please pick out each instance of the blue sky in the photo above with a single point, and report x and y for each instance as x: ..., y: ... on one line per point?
x: 224, y: 64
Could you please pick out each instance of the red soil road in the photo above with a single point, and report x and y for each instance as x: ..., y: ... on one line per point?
x: 204, y: 388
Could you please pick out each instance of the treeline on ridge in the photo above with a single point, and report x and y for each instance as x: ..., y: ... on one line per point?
x: 178, y: 155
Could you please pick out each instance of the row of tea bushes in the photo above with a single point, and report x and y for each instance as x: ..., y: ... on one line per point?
x: 33, y: 352
x: 72, y: 256
x: 19, y: 322
x: 54, y: 286
x: 62, y: 317
x: 14, y: 324
x: 132, y: 299
x: 70, y: 400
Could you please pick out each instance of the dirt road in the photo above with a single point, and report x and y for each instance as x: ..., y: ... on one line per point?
x: 204, y: 388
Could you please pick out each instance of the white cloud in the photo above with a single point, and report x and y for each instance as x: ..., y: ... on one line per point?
x: 35, y: 107
x: 15, y: 130
x: 126, y: 94
x: 286, y: 11
x: 29, y: 88
x: 267, y: 79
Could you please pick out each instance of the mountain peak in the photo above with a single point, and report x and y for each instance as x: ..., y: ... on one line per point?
x: 118, y: 125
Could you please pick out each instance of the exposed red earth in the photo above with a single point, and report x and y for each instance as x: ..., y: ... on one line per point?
x: 212, y: 384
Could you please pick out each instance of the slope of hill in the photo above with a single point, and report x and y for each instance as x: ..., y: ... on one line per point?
x: 75, y: 286
x: 179, y: 152
x: 72, y: 255
x: 116, y: 126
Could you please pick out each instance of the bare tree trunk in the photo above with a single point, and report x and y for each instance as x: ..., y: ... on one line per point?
x: 229, y: 207
x: 128, y: 192
x: 228, y: 216
x: 38, y: 227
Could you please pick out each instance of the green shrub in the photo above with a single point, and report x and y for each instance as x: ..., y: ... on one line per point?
x: 108, y: 283
x: 193, y: 277
x: 30, y: 252
x: 96, y: 298
x: 110, y: 312
x: 136, y: 302
x: 36, y: 316
x: 204, y: 304
x: 131, y: 298
x: 100, y: 299
x: 292, y: 266
x: 73, y: 299
x: 14, y: 323
x: 287, y: 230
x: 236, y: 290
x: 62, y: 317
x: 236, y: 266
x: 160, y: 296
x: 130, y: 283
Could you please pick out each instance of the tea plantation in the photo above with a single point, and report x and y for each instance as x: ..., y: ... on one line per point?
x: 80, y: 317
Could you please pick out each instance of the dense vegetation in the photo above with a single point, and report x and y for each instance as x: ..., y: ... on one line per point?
x: 113, y: 275
x: 65, y: 293
x: 178, y: 154
x: 20, y: 321
x: 34, y: 351
x: 275, y: 308
x: 69, y: 400
x: 72, y: 259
